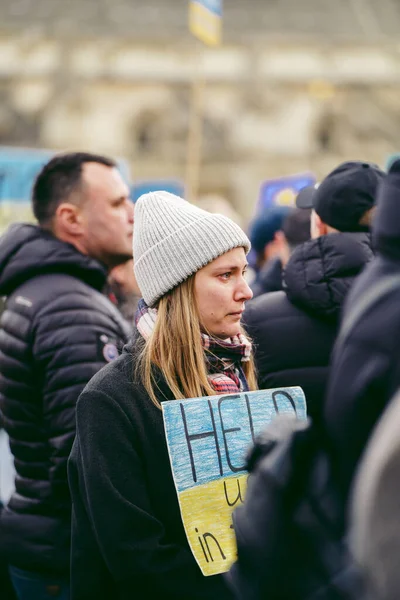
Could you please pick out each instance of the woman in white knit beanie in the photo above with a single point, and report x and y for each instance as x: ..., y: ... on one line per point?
x: 128, y: 534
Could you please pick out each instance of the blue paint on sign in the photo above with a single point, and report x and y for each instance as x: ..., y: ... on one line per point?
x: 208, y: 437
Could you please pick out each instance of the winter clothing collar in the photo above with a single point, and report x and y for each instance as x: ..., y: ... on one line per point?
x: 224, y: 357
x: 27, y: 250
x: 321, y: 271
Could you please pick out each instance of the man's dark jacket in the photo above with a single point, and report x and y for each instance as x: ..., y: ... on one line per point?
x: 56, y: 332
x: 365, y: 371
x: 294, y: 330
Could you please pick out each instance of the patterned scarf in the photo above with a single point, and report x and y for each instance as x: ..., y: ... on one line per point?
x: 224, y: 357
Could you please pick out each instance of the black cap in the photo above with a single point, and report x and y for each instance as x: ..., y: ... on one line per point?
x: 344, y: 196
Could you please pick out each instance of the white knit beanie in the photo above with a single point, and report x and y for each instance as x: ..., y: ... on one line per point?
x: 173, y: 239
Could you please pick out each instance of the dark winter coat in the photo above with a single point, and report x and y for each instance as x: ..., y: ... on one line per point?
x: 374, y: 525
x: 268, y: 279
x: 128, y: 539
x: 366, y: 368
x: 287, y: 530
x: 56, y: 332
x: 294, y: 330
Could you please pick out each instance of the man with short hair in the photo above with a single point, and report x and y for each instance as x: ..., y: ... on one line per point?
x: 56, y: 332
x: 294, y: 330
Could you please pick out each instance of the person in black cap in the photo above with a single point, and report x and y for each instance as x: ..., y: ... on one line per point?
x: 344, y: 200
x: 294, y: 330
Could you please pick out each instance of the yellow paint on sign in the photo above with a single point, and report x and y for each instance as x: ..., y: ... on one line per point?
x: 286, y: 197
x: 207, y: 517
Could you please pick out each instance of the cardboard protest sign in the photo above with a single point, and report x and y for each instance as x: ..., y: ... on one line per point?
x: 207, y: 442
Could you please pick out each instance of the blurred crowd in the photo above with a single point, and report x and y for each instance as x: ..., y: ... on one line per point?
x: 113, y: 307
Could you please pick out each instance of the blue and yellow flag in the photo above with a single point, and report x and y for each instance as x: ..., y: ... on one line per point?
x: 205, y: 20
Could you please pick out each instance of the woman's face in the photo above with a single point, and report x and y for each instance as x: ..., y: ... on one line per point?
x: 221, y: 291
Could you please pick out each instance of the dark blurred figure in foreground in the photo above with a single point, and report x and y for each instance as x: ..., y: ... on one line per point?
x: 287, y: 528
x: 6, y: 588
x: 374, y: 518
x: 290, y: 535
x: 56, y: 332
x: 294, y: 330
x: 123, y: 290
x: 271, y: 249
x: 365, y: 370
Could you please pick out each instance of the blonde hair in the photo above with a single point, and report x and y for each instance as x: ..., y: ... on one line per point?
x: 175, y: 347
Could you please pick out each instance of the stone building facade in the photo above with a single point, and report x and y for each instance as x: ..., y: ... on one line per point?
x: 289, y: 91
